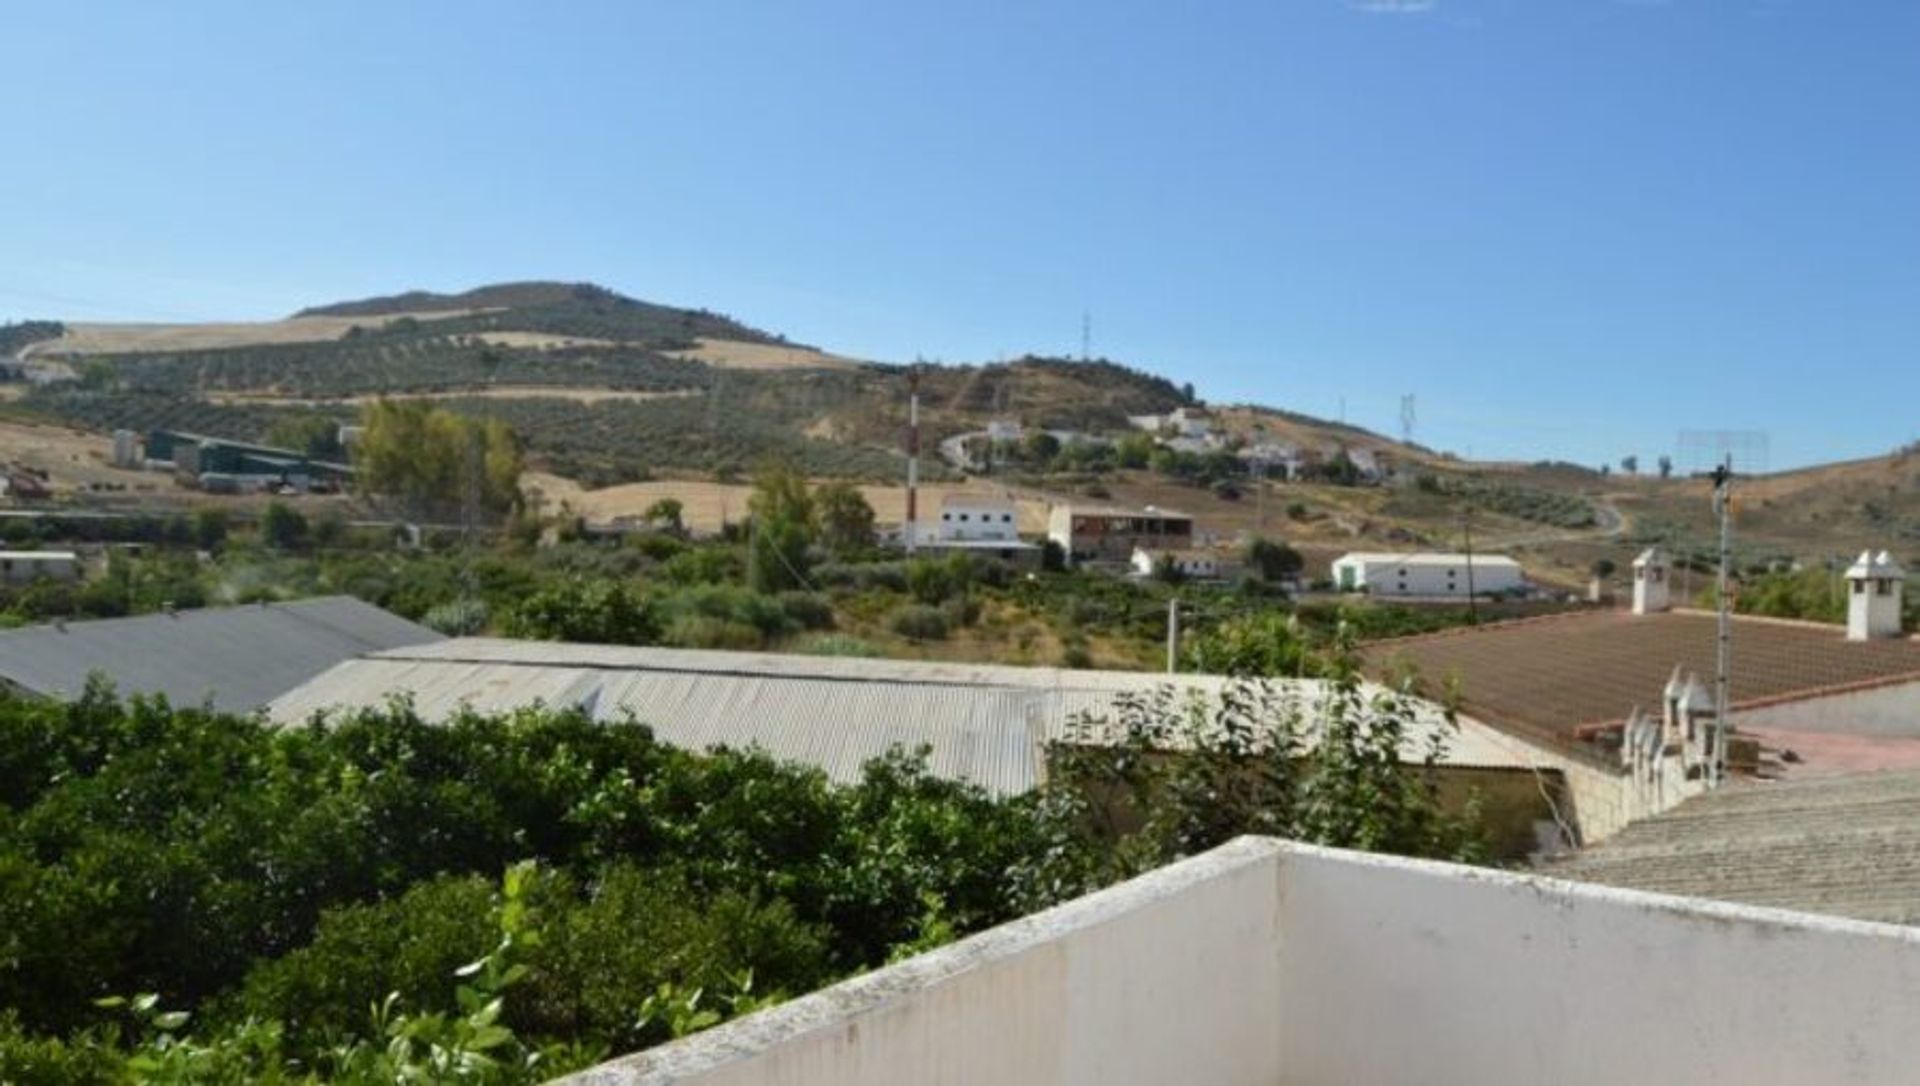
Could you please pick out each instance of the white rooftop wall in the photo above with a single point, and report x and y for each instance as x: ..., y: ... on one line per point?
x: 1267, y: 962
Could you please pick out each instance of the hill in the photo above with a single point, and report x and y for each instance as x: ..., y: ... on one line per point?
x: 581, y: 310
x: 608, y: 389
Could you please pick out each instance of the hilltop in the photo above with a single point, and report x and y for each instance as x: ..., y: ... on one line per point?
x: 605, y: 388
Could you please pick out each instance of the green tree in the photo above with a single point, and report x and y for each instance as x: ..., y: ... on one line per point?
x: 1134, y: 451
x: 846, y: 520
x: 783, y: 527
x: 1630, y: 465
x: 1273, y: 560
x: 317, y: 436
x: 1040, y: 448
x: 1666, y: 467
x: 283, y: 528
x: 430, y: 460
x: 668, y: 515
x: 209, y: 528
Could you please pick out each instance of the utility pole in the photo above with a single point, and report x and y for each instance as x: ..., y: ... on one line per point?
x: 1466, y: 530
x: 1723, y: 649
x: 913, y: 461
x: 1173, y: 635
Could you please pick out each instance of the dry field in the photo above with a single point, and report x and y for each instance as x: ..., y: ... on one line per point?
x: 102, y: 338
x: 72, y: 459
x: 542, y: 340
x: 733, y: 354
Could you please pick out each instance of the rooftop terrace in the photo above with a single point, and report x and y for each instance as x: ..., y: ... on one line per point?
x: 1264, y: 962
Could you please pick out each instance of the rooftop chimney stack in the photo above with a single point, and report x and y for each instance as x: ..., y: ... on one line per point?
x: 1652, y: 582
x: 1875, y: 583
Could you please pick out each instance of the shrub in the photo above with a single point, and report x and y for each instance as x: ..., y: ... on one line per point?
x: 919, y: 622
x: 808, y: 610
x: 696, y: 631
x: 839, y: 645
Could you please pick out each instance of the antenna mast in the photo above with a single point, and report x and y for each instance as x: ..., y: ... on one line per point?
x: 1086, y: 336
x: 913, y: 460
x: 1723, y: 646
x: 1406, y: 419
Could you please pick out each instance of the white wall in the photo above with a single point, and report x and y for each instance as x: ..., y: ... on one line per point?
x: 1142, y: 985
x: 982, y: 519
x: 1384, y: 578
x: 1878, y: 711
x: 1268, y: 962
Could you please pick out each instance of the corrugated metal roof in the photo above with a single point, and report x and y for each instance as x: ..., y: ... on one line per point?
x: 982, y: 723
x: 239, y: 657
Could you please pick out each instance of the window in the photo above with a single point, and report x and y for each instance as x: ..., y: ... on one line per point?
x: 1859, y: 588
x: 963, y: 518
x: 1403, y: 573
x: 946, y: 516
x: 1006, y: 518
x: 1884, y: 586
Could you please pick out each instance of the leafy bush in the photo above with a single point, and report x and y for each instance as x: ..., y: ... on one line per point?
x: 919, y: 622
x: 606, y: 612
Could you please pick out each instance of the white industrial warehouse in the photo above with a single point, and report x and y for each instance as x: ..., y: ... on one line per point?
x: 986, y: 724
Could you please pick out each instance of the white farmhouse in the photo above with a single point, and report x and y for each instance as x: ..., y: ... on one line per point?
x: 1429, y: 576
x: 976, y: 516
x: 1197, y: 563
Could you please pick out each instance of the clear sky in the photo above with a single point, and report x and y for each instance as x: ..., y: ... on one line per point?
x: 1571, y: 228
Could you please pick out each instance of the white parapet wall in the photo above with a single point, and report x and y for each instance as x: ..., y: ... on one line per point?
x: 1265, y: 963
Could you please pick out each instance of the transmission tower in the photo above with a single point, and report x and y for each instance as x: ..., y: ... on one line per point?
x: 1086, y: 336
x: 1406, y: 419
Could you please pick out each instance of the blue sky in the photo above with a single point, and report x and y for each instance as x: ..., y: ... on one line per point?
x: 1571, y: 228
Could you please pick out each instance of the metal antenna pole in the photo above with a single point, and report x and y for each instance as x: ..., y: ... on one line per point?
x: 1723, y: 649
x: 1466, y: 529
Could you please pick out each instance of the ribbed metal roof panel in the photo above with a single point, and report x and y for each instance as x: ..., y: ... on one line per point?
x: 240, y: 658
x: 982, y: 723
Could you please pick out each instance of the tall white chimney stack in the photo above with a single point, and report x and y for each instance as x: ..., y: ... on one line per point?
x: 1652, y: 582
x: 1875, y: 583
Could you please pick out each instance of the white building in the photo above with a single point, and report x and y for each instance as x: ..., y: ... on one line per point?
x: 1267, y: 961
x: 1874, y: 587
x: 1428, y: 576
x: 1267, y: 457
x: 1004, y: 430
x: 19, y: 567
x: 1187, y: 422
x: 974, y: 517
x: 1191, y: 562
x: 982, y: 524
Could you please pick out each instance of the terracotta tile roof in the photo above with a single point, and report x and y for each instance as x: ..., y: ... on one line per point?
x: 1556, y: 677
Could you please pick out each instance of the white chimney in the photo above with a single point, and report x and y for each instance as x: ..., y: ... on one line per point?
x: 1874, y: 586
x: 1652, y: 585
